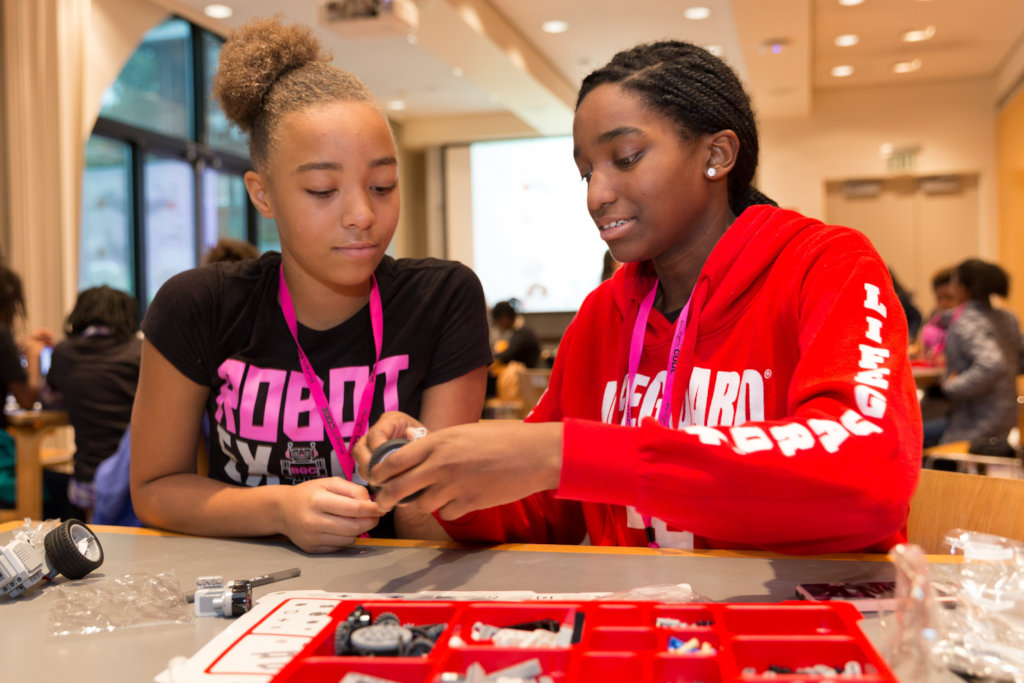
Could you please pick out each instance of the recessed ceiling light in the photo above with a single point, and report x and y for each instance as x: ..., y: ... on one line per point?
x: 218, y: 11
x: 696, y: 13
x: 850, y: 3
x: 773, y: 46
x: 918, y: 35
x: 842, y: 71
x: 906, y: 67
x: 846, y: 40
x: 397, y: 105
x: 555, y: 26
x: 716, y: 50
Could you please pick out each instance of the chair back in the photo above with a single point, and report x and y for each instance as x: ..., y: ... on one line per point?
x: 532, y: 383
x: 951, y: 500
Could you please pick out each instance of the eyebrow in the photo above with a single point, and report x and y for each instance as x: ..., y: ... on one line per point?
x: 610, y: 135
x: 335, y: 166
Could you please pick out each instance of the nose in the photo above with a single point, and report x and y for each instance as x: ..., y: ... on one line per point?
x: 599, y: 192
x: 357, y: 211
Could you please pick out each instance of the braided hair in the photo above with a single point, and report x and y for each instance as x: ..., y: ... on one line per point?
x: 700, y: 93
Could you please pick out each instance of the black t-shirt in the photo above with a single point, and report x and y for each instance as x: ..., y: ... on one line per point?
x: 221, y: 326
x: 97, y: 377
x: 11, y: 369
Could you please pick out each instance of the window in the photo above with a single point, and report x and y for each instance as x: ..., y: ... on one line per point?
x: 164, y: 168
x: 106, y: 249
x: 154, y: 88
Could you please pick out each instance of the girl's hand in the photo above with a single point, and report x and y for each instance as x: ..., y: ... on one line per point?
x: 323, y: 515
x: 470, y: 467
x: 392, y: 425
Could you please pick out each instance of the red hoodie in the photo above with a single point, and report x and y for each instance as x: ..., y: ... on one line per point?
x: 796, y: 422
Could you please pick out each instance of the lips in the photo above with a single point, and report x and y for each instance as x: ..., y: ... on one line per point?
x: 611, y: 229
x: 359, y: 250
x: 613, y: 224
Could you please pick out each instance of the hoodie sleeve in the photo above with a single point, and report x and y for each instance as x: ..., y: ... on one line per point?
x: 832, y: 471
x: 540, y: 518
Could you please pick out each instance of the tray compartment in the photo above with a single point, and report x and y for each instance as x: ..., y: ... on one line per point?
x: 696, y: 616
x: 504, y: 615
x: 609, y: 666
x: 553, y: 662
x: 417, y: 613
x: 702, y: 636
x: 323, y: 669
x: 627, y: 638
x: 805, y: 620
x: 795, y: 652
x: 617, y: 614
x: 669, y: 668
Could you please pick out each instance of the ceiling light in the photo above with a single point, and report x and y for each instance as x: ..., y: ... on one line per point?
x: 397, y: 105
x: 850, y: 3
x: 716, y: 50
x: 773, y: 46
x: 696, y: 13
x: 842, y: 71
x: 846, y: 40
x: 918, y: 35
x: 555, y: 26
x: 906, y: 67
x: 218, y: 11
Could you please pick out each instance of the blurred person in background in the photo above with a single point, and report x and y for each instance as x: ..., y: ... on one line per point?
x: 96, y: 372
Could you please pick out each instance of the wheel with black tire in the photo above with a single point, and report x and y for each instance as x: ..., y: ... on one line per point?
x: 73, y: 549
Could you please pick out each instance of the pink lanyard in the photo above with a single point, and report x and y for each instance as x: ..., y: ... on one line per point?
x: 636, y: 349
x: 365, y: 402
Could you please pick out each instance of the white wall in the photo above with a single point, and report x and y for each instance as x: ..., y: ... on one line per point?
x: 953, y: 123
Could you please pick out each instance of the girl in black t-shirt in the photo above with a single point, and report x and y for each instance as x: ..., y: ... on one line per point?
x: 292, y: 356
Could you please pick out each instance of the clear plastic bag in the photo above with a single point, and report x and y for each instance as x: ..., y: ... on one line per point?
x: 967, y: 617
x: 127, y: 601
x: 983, y: 634
x: 665, y: 592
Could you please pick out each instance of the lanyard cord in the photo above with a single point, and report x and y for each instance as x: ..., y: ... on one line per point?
x: 636, y: 349
x: 362, y: 412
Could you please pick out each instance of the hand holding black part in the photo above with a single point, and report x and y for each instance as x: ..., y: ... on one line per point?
x: 383, y: 451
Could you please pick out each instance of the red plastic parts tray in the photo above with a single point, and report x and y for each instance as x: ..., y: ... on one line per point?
x: 619, y: 641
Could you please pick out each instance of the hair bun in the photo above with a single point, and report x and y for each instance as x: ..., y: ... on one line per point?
x: 254, y: 58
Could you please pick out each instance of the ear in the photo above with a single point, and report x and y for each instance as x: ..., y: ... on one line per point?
x: 259, y: 193
x: 723, y: 148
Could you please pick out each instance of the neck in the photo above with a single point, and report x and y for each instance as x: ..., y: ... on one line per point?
x: 679, y: 267
x: 321, y: 306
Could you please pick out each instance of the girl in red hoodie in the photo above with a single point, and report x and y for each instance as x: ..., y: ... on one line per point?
x: 742, y: 382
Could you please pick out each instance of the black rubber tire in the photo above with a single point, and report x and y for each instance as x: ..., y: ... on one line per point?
x: 384, y: 450
x: 418, y: 647
x: 387, y: 618
x: 73, y: 549
x: 380, y: 641
x: 342, y: 635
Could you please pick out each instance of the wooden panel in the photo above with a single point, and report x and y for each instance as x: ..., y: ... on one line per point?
x: 950, y: 500
x: 1010, y: 155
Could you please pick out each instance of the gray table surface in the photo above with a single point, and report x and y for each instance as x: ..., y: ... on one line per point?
x: 28, y: 652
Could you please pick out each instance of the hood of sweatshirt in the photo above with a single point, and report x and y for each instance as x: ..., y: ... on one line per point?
x: 743, y: 256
